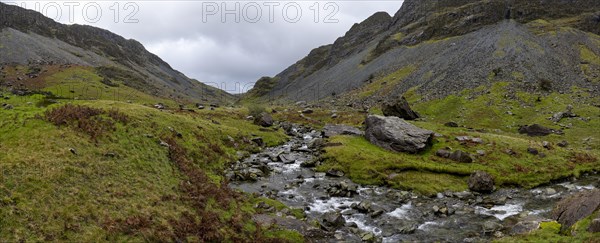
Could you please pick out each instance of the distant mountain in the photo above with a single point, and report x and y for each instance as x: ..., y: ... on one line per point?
x: 440, y: 47
x: 29, y: 37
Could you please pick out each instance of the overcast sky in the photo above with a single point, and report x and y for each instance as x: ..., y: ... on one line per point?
x: 204, y: 41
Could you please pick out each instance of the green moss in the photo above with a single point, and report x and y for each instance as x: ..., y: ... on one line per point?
x: 398, y: 36
x: 588, y: 55
x: 550, y: 232
x: 287, y: 235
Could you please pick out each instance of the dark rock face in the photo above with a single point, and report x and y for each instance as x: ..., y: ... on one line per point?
x: 480, y: 181
x: 535, y: 130
x: 576, y: 207
x: 334, y: 130
x: 399, y: 108
x: 393, y: 133
x: 264, y: 120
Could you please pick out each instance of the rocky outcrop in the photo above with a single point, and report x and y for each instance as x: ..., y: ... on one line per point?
x: 264, y: 120
x: 333, y: 130
x: 393, y: 133
x: 576, y: 207
x: 535, y: 130
x: 399, y: 108
x: 453, y: 45
x: 480, y: 181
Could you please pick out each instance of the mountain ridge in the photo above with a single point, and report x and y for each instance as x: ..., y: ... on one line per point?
x: 418, y: 24
x: 50, y: 42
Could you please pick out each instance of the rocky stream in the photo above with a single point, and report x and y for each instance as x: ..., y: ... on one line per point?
x: 349, y: 212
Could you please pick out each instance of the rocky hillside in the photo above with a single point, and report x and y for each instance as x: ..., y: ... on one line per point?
x: 29, y: 38
x: 442, y: 47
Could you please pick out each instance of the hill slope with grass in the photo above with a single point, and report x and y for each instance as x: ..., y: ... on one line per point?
x: 105, y: 170
x: 449, y: 46
x: 29, y: 38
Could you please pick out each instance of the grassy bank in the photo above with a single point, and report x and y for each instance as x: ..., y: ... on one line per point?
x: 121, y: 170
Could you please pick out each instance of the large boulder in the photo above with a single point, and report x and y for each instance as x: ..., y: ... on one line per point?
x: 480, y: 181
x: 393, y: 133
x: 399, y: 107
x: 264, y: 120
x: 576, y: 207
x: 535, y: 130
x: 334, y: 130
x: 332, y: 221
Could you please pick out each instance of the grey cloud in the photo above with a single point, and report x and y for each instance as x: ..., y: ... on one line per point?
x: 216, y: 52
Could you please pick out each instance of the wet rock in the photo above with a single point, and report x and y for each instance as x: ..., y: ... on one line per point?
x: 576, y: 207
x: 491, y: 226
x: 535, y: 130
x: 550, y: 191
x: 524, y: 227
x: 463, y: 195
x: 264, y: 120
x: 480, y: 181
x: 367, y: 236
x: 363, y: 207
x: 396, y: 134
x: 460, y: 156
x: 333, y: 130
x: 334, y: 173
x: 316, y: 143
x: 332, y: 220
x: 451, y: 124
x: 288, y: 128
x: 310, y: 163
x: 399, y: 108
x: 342, y: 189
x: 533, y: 151
x: 286, y: 158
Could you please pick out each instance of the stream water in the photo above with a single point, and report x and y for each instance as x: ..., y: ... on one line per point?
x: 390, y: 215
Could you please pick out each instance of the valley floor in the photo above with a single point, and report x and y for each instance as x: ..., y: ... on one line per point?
x: 80, y: 168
